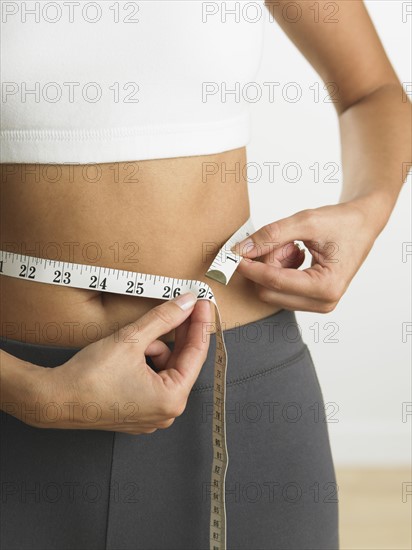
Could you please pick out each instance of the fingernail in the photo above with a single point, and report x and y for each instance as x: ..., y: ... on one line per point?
x: 185, y: 301
x: 244, y: 247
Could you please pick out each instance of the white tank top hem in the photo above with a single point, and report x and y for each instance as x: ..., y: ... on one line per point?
x: 123, y: 144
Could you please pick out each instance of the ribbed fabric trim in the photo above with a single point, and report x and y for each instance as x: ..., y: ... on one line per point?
x: 123, y: 144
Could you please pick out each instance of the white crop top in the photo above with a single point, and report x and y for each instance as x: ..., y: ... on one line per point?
x: 116, y: 80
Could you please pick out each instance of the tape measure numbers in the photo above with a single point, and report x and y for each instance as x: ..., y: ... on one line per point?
x: 130, y: 283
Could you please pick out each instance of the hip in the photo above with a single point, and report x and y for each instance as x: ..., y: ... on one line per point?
x: 44, y: 314
x: 281, y: 488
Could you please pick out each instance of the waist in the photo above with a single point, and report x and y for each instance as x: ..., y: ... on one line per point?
x: 170, y: 221
x: 123, y: 212
x: 254, y: 349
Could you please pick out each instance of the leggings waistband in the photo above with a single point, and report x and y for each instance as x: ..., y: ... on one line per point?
x: 252, y: 348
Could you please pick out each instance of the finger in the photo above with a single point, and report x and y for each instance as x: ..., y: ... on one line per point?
x: 162, y: 318
x: 194, y: 350
x: 295, y: 260
x: 295, y: 303
x: 180, y: 335
x: 159, y: 353
x: 289, y: 255
x: 311, y: 282
x: 275, y: 235
x: 180, y: 338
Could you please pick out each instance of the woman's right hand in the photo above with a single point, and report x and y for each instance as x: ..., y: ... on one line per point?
x: 108, y: 385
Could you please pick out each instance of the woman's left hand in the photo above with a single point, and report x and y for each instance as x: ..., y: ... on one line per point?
x: 339, y: 237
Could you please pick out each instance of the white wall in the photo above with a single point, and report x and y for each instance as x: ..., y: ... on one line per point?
x: 367, y: 372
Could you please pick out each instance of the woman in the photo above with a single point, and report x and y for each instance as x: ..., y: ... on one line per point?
x: 113, y: 115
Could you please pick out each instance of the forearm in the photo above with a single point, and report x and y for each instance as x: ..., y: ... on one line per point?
x: 376, y: 151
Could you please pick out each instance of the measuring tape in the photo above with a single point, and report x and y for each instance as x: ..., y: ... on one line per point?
x: 130, y: 283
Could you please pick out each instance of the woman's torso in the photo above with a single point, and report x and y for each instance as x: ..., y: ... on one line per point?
x: 171, y: 77
x: 164, y: 217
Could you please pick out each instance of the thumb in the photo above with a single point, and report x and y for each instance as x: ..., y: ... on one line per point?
x: 191, y: 351
x: 165, y: 317
x: 274, y: 235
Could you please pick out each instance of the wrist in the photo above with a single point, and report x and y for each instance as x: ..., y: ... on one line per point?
x: 21, y: 385
x: 376, y: 207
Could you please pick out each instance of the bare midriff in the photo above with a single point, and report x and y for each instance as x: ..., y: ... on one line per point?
x: 165, y: 217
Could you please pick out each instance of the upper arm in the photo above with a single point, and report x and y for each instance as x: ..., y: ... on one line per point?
x: 340, y: 42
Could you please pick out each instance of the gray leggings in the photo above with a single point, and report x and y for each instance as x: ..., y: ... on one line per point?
x: 91, y: 489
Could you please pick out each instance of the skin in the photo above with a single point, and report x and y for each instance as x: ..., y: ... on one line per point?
x: 137, y: 225
x: 375, y: 131
x: 104, y: 373
x: 374, y: 121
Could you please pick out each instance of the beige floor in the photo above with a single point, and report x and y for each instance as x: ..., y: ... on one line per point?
x: 372, y: 514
